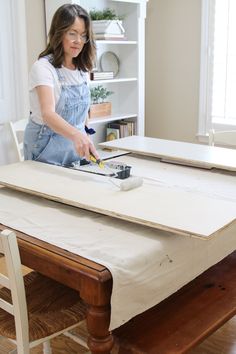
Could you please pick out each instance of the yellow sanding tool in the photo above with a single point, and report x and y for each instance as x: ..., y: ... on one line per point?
x: 97, y: 161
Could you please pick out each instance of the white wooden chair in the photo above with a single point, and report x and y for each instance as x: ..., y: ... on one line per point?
x: 34, y: 308
x: 17, y: 133
x: 226, y: 138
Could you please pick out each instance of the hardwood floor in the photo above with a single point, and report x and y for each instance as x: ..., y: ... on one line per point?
x: 222, y: 341
x: 59, y: 345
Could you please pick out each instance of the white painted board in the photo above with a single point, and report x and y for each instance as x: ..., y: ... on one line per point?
x: 154, y: 204
x: 204, y: 156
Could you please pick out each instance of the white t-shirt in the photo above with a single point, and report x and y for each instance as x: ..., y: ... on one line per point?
x: 44, y: 73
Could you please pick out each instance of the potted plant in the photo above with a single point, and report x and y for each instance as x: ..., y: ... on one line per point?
x: 99, y: 107
x: 106, y: 24
x: 106, y: 14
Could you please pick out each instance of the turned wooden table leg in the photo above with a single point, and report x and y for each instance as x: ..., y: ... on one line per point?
x: 100, y: 339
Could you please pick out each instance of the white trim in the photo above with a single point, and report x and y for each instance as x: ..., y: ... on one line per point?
x: 7, y: 92
x: 222, y: 124
x: 20, y: 62
x: 203, y: 138
x: 204, y: 123
x: 141, y: 65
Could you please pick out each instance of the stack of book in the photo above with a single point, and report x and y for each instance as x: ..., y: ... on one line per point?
x: 120, y: 129
x: 109, y: 36
x: 108, y: 30
x: 101, y: 75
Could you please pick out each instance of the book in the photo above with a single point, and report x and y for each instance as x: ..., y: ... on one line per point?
x: 109, y: 36
x: 101, y: 75
x: 125, y: 128
x: 131, y: 128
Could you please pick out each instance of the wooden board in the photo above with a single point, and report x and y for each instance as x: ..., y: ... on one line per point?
x: 155, y: 205
x: 178, y: 152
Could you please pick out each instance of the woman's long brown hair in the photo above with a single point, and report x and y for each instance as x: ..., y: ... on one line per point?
x: 62, y: 20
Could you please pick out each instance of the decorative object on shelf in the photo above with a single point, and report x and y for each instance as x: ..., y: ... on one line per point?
x: 99, y: 107
x: 101, y: 75
x: 100, y: 110
x: 99, y: 94
x: 112, y: 134
x: 109, y: 61
x: 106, y: 14
x: 107, y: 25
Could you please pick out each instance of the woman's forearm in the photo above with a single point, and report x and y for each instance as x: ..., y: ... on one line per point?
x: 59, y: 125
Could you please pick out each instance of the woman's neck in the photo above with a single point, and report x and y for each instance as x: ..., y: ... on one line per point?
x: 69, y: 64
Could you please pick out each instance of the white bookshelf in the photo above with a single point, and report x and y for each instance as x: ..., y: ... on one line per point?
x: 128, y: 85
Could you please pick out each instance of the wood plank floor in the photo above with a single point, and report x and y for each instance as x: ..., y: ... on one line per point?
x: 222, y: 341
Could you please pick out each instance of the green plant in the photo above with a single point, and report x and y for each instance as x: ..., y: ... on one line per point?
x: 99, y: 94
x: 106, y: 14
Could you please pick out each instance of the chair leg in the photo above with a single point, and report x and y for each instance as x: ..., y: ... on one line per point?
x: 47, y: 348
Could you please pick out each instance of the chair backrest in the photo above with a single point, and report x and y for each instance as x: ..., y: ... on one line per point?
x: 17, y: 133
x: 226, y: 138
x: 14, y: 282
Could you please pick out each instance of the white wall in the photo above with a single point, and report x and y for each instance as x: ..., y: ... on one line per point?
x: 36, y: 29
x: 173, y: 29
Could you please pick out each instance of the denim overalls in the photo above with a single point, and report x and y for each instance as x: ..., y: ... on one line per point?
x: 43, y: 144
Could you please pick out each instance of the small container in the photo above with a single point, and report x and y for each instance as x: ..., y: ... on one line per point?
x: 120, y: 169
x: 124, y: 173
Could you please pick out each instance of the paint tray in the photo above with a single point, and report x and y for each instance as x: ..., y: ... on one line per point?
x: 110, y: 169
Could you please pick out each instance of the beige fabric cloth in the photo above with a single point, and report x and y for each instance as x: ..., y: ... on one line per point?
x: 147, y: 265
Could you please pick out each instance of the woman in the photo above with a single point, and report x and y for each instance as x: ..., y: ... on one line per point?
x: 59, y: 92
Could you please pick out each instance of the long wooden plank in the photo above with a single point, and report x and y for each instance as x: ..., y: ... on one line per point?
x: 177, y: 152
x: 155, y: 205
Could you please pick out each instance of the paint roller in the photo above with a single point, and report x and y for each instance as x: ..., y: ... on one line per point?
x: 126, y: 184
x: 129, y: 183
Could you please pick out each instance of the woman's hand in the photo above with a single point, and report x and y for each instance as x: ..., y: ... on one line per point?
x: 84, y: 146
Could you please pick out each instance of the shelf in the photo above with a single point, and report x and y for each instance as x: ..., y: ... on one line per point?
x: 129, y: 1
x: 95, y: 82
x: 111, y: 118
x: 103, y: 41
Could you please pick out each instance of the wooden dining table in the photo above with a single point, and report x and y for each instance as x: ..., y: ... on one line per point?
x: 92, y: 280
